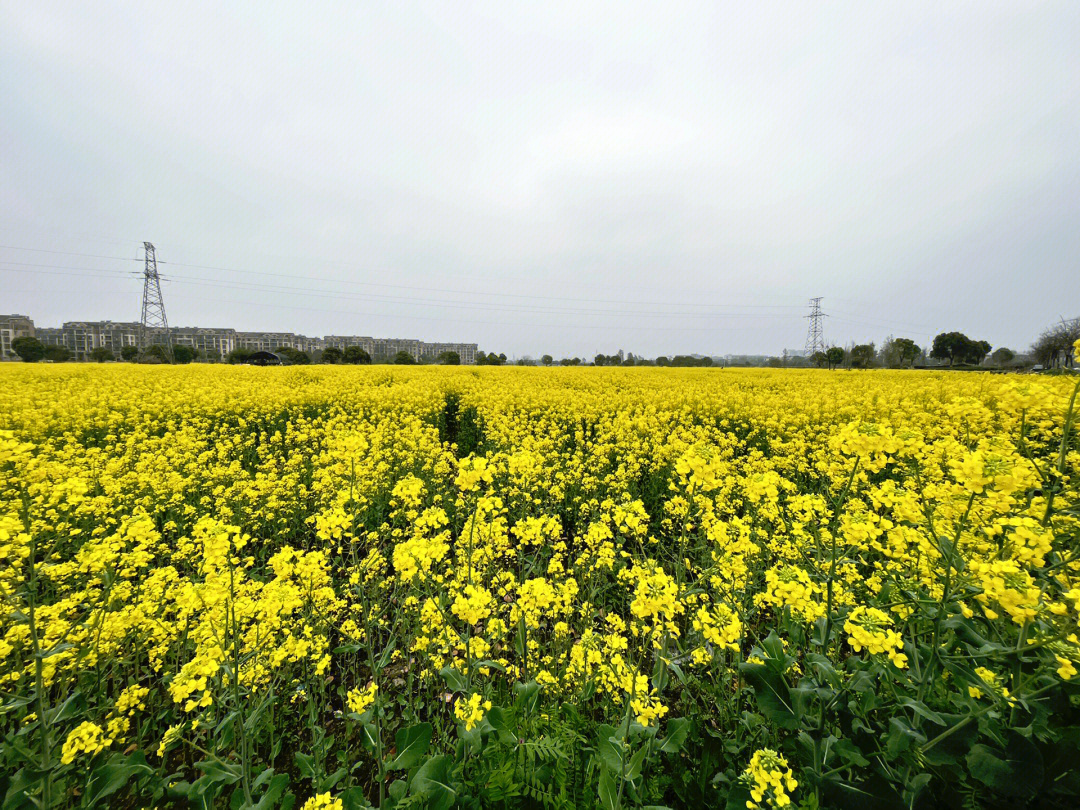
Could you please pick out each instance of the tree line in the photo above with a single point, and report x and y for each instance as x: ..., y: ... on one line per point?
x: 1052, y: 349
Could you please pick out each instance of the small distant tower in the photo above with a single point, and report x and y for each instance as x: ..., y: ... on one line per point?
x: 153, y: 307
x: 815, y: 337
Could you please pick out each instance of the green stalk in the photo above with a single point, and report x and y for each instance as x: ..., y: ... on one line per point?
x: 39, y: 678
x: 1061, y: 453
x: 245, y: 774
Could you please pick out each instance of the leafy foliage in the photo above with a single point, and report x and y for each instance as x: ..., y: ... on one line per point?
x: 423, y: 587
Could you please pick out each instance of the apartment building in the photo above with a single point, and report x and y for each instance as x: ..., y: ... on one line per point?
x: 12, y: 327
x: 211, y: 343
x: 82, y: 337
x: 387, y: 348
x: 265, y: 341
x: 432, y: 351
x: 345, y: 341
x: 50, y: 335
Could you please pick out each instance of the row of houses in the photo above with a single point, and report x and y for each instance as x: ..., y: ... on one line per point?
x: 82, y: 337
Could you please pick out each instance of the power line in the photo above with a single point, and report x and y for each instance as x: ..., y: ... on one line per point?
x: 918, y: 333
x: 660, y: 309
x: 69, y: 253
x: 439, y: 302
x: 644, y: 328
x: 410, y: 287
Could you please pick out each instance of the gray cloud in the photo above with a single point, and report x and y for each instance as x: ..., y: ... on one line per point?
x: 717, y: 164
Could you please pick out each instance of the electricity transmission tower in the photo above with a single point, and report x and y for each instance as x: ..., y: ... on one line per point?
x: 815, y: 337
x: 153, y: 307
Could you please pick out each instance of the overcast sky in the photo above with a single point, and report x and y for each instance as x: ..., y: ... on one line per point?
x: 547, y: 177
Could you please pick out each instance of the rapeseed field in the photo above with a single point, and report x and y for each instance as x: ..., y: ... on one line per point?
x: 341, y: 587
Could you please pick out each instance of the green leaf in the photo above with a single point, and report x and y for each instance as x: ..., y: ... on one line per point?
x: 455, y: 681
x: 215, y: 775
x: 776, y: 657
x: 849, y: 752
x: 634, y: 764
x: 528, y: 697
x: 214, y: 770
x: 610, y: 748
x: 609, y: 792
x: 368, y: 737
x: 70, y: 708
x: 273, y: 792
x: 487, y: 664
x: 116, y: 772
x: 262, y: 778
x: 824, y: 669
x: 677, y: 729
x: 875, y: 793
x: 330, y: 781
x: 59, y: 648
x: 660, y: 674
x: 772, y: 693
x: 737, y: 798
x: 956, y: 745
x: 1017, y: 771
x: 922, y: 710
x: 412, y: 743
x: 503, y: 722
x: 306, y: 764
x: 226, y: 722
x: 432, y: 781
x: 901, y: 736
x: 387, y: 653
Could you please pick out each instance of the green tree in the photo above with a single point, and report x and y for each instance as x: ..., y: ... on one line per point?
x: 951, y: 346
x: 293, y: 355
x: 29, y: 349
x: 862, y: 355
x: 240, y: 354
x: 896, y: 352
x: 155, y: 354
x: 331, y: 355
x: 977, y: 351
x: 102, y: 354
x: 835, y: 356
x: 547, y: 360
x: 404, y: 359
x: 906, y: 350
x: 450, y: 359
x: 356, y: 356
x: 819, y: 359
x: 1003, y: 356
x: 57, y: 354
x: 129, y: 353
x: 184, y: 354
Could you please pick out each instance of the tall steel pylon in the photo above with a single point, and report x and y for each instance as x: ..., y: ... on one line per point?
x: 153, y: 307
x: 815, y: 337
